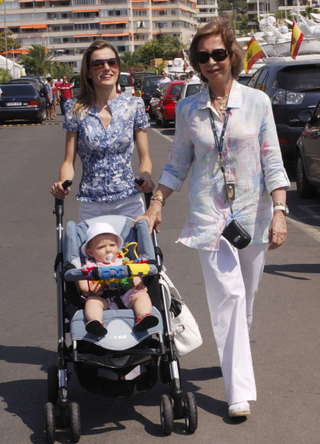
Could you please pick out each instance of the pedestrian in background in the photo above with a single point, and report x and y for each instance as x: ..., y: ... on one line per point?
x: 48, y: 91
x: 66, y: 92
x: 54, y: 97
x: 226, y: 136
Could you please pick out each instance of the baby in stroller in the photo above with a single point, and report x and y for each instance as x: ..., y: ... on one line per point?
x: 101, y: 249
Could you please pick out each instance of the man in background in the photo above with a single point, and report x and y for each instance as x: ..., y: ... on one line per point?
x: 66, y: 92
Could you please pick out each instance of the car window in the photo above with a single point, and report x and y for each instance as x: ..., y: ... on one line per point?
x: 316, y: 114
x: 262, y: 79
x: 253, y: 79
x: 152, y: 82
x: 77, y: 82
x: 164, y: 89
x: 299, y: 78
x: 17, y: 90
x: 175, y: 90
x: 192, y: 89
x: 125, y: 80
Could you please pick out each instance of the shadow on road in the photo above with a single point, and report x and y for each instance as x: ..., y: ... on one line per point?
x: 301, y: 269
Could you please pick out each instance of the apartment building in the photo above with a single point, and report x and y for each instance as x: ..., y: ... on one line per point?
x: 268, y: 6
x: 69, y: 26
x: 207, y: 9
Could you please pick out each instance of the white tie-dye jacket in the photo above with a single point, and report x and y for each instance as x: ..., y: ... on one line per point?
x: 252, y: 158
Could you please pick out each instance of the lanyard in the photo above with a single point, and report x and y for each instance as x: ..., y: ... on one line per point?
x: 219, y: 144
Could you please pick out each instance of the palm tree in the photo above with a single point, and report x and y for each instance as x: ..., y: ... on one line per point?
x: 38, y: 60
x: 5, y: 76
x: 308, y: 11
x: 175, y: 45
x: 130, y: 60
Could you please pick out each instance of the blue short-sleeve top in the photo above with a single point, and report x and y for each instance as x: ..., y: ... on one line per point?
x: 106, y: 154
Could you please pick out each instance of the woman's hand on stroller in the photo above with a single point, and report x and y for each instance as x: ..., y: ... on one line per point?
x: 60, y: 189
x: 144, y: 184
x: 153, y: 216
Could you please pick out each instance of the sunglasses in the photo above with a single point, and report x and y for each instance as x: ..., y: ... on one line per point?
x: 218, y: 55
x: 99, y: 63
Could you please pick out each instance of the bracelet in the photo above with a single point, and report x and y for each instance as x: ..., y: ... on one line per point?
x: 276, y: 204
x: 159, y: 199
x: 282, y: 208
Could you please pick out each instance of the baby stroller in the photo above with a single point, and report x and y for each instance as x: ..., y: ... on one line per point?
x: 124, y: 362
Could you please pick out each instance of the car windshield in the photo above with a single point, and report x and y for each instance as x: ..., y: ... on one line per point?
x: 299, y: 78
x: 152, y: 82
x: 17, y: 90
x: 192, y: 89
x: 125, y: 80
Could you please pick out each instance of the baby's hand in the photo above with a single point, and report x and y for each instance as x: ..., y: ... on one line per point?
x: 95, y: 287
x: 138, y: 284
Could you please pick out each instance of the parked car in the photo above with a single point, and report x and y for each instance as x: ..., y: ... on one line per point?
x: 167, y: 103
x: 138, y: 76
x: 292, y: 87
x: 154, y: 101
x: 39, y: 78
x: 126, y: 84
x: 32, y: 80
x: 75, y: 82
x: 244, y: 78
x: 148, y: 86
x: 189, y: 89
x: 307, y: 155
x: 22, y: 101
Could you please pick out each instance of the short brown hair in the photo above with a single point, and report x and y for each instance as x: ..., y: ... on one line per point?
x: 219, y: 26
x: 87, y: 95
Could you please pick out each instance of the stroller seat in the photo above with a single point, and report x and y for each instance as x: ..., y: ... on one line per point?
x: 119, y: 323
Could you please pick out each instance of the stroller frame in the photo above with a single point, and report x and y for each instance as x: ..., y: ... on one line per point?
x: 179, y: 405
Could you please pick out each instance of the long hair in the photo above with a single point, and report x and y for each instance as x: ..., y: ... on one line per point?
x: 86, y: 96
x: 219, y: 26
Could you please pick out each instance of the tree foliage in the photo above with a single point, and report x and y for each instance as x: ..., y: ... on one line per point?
x: 174, y: 45
x: 308, y: 11
x: 38, y: 60
x: 11, y: 42
x: 60, y: 69
x: 5, y: 76
x: 130, y: 60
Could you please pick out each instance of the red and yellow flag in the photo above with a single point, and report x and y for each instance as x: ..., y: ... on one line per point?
x: 296, y: 40
x: 253, y: 54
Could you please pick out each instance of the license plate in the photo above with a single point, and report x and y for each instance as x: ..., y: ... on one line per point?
x: 14, y: 103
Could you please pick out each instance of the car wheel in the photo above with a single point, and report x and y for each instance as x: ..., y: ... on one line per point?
x: 165, y: 122
x: 304, y: 188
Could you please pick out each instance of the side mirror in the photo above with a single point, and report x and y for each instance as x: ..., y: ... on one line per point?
x: 174, y: 98
x: 305, y: 116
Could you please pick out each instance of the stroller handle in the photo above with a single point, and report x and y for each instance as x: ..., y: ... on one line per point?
x: 139, y: 181
x: 113, y: 272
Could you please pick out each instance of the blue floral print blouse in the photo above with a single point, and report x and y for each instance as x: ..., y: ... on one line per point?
x: 251, y: 156
x: 106, y: 154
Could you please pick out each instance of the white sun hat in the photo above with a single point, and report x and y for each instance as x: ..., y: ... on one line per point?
x: 96, y: 229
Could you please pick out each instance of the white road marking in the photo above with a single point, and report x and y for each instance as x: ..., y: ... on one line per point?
x: 159, y: 132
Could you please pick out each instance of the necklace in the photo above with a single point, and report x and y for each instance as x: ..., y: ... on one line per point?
x: 222, y: 104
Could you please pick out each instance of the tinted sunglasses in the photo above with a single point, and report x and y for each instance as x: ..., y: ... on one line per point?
x: 99, y: 63
x: 218, y: 55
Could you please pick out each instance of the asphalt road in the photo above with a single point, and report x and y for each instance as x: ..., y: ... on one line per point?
x: 284, y: 336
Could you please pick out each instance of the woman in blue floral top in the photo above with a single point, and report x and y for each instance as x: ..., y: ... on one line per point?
x: 252, y: 161
x: 102, y: 127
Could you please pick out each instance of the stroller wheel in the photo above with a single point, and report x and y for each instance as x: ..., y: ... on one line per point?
x: 53, y: 384
x: 166, y: 414
x: 191, y: 413
x: 75, y: 422
x: 50, y: 422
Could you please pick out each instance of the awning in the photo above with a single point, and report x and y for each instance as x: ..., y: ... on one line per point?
x: 86, y: 10
x: 185, y: 10
x: 114, y: 23
x: 121, y: 34
x: 140, y: 0
x: 87, y: 35
x: 158, y: 9
x: 33, y: 26
x: 194, y: 4
x: 17, y: 51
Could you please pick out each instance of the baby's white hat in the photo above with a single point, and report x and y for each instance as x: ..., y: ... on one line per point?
x: 96, y: 229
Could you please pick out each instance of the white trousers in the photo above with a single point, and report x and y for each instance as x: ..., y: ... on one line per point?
x: 131, y: 206
x: 232, y: 277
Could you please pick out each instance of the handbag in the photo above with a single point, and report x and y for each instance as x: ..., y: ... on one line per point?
x: 233, y: 232
x: 185, y: 329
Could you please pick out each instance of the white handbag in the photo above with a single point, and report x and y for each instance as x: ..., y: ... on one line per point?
x: 185, y: 328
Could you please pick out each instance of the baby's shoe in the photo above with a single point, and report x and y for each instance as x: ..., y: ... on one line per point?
x: 96, y: 328
x: 239, y: 409
x: 147, y: 322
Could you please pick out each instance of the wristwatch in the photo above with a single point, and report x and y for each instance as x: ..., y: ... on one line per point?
x: 282, y: 207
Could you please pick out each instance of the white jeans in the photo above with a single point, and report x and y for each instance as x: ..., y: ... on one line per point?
x: 232, y: 277
x: 131, y: 206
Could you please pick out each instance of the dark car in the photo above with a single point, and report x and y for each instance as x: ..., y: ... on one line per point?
x: 154, y: 101
x: 292, y: 87
x: 22, y: 101
x: 31, y: 80
x: 307, y: 155
x: 167, y: 103
x: 148, y: 86
x: 244, y: 79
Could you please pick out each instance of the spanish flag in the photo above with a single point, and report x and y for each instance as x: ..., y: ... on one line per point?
x: 296, y: 40
x: 253, y: 54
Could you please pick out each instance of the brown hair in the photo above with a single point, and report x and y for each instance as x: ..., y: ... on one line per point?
x: 219, y: 26
x: 86, y: 96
